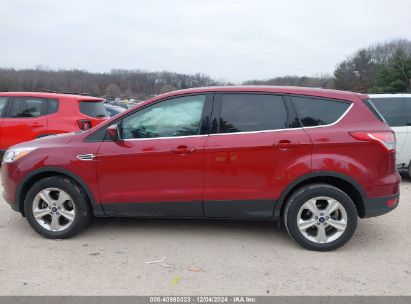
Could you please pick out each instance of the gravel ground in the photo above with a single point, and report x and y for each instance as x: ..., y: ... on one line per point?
x: 204, y: 258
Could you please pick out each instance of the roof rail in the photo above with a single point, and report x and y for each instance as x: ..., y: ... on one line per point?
x: 77, y: 93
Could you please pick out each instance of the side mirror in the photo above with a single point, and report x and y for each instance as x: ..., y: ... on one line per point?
x: 114, y: 132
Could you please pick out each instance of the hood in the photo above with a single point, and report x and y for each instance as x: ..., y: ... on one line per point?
x: 51, y: 140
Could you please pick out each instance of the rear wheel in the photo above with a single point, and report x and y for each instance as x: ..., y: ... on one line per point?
x: 320, y: 217
x: 56, y: 207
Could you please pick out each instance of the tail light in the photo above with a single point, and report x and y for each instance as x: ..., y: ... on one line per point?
x: 386, y: 139
x: 84, y: 124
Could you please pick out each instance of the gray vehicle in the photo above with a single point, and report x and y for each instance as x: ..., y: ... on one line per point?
x: 396, y: 109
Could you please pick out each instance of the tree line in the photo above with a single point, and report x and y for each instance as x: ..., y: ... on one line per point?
x: 382, y: 67
x: 118, y: 83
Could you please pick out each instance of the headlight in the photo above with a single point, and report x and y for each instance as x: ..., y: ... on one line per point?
x: 17, y: 153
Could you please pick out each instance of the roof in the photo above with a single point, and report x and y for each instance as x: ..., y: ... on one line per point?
x: 271, y: 89
x: 51, y: 95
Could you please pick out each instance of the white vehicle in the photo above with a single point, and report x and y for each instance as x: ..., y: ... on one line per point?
x: 396, y: 109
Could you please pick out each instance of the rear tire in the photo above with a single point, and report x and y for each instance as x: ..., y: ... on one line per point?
x: 320, y: 217
x: 57, y: 208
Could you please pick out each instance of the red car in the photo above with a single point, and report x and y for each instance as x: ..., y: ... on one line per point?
x: 317, y: 159
x: 25, y: 116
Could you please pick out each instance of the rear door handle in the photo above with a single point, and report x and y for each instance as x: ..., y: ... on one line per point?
x: 37, y: 125
x: 286, y: 144
x: 183, y: 150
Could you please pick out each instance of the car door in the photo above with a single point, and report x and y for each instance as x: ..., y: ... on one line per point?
x: 257, y: 148
x: 395, y: 113
x: 3, y: 105
x: 406, y: 148
x: 25, y: 120
x: 156, y: 169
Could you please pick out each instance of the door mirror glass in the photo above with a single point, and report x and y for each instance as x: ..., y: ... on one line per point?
x: 113, y: 132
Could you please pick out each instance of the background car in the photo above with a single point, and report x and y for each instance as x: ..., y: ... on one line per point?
x: 25, y: 116
x: 113, y: 110
x: 396, y: 109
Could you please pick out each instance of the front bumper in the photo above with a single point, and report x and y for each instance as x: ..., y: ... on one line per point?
x: 380, y: 205
x: 9, y: 185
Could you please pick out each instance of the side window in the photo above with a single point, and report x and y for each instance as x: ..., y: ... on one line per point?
x: 396, y: 110
x: 52, y: 106
x: 252, y: 112
x: 178, y: 116
x: 318, y: 111
x: 27, y: 107
x: 3, y: 101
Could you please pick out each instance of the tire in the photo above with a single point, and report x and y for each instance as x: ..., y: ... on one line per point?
x: 325, y: 231
x: 66, y: 203
x: 409, y: 170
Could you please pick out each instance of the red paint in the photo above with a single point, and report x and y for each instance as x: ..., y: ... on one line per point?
x: 17, y: 130
x: 247, y: 166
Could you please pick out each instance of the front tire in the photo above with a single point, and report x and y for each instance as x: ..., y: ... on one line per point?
x: 57, y: 208
x: 320, y: 217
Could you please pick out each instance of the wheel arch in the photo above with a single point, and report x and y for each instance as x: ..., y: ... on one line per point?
x: 343, y: 182
x: 41, y: 173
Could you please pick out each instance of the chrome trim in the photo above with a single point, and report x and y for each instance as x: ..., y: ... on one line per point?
x: 254, y: 132
x: 334, y: 123
x: 248, y: 132
x: 165, y: 137
x: 86, y: 156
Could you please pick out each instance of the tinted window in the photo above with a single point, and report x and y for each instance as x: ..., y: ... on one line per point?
x: 93, y: 108
x: 27, y: 107
x: 174, y: 117
x: 252, y: 112
x: 3, y: 101
x: 394, y: 110
x: 317, y: 111
x: 52, y: 106
x: 113, y: 110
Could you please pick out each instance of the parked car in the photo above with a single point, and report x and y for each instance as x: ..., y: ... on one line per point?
x: 396, y: 109
x: 25, y: 116
x: 317, y: 159
x: 113, y: 110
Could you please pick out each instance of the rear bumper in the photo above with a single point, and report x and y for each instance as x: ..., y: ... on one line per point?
x: 380, y: 205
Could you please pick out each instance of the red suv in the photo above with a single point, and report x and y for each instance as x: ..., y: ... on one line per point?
x: 317, y: 159
x: 25, y: 116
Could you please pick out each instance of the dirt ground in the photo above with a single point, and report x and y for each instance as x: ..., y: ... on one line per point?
x: 202, y: 257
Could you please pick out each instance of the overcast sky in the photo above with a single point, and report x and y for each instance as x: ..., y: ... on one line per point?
x: 228, y: 40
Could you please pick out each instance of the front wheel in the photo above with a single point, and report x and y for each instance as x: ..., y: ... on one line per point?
x: 56, y: 207
x: 320, y: 217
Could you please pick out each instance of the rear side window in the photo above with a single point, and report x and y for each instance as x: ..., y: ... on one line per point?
x: 3, y: 101
x: 252, y: 112
x: 52, y: 106
x: 396, y: 111
x: 93, y: 108
x: 318, y: 111
x: 28, y: 107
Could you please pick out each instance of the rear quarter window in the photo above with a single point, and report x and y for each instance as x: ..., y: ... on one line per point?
x: 319, y: 111
x: 94, y: 109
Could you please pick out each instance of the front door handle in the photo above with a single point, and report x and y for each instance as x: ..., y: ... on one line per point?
x: 183, y: 149
x: 286, y: 145
x: 37, y: 125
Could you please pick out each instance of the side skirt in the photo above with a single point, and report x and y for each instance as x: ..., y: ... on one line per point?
x: 238, y: 209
